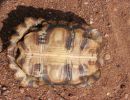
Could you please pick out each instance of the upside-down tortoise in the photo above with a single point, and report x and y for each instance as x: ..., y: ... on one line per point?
x: 54, y: 53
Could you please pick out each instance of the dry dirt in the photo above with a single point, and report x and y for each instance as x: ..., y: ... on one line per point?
x: 111, y: 17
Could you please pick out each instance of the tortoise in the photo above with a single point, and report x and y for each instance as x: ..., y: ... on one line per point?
x: 54, y: 53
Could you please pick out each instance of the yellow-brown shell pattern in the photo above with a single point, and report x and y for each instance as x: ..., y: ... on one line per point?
x: 54, y: 53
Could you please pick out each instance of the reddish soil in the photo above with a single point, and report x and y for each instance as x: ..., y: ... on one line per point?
x: 112, y: 18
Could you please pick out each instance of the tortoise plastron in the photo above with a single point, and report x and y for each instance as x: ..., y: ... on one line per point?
x: 54, y: 53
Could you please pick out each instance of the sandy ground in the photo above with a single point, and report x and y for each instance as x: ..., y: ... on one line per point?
x: 112, y: 18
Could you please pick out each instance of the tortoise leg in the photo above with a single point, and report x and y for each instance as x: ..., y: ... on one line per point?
x: 89, y: 80
x: 29, y: 24
x: 94, y: 77
x: 89, y: 74
x: 95, y: 35
x: 22, y: 29
x: 20, y: 74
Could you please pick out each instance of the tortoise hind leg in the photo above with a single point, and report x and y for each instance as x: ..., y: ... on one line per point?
x: 94, y: 77
x: 21, y: 75
x: 89, y: 80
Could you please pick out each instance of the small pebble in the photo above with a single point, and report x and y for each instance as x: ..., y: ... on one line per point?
x: 91, y: 21
x: 126, y: 96
x: 74, y: 98
x: 21, y: 89
x: 3, y: 90
x: 101, y: 61
x: 108, y: 93
x: 28, y: 97
x: 107, y: 57
x: 106, y: 36
x: 86, y: 3
x: 115, y: 9
x: 22, y: 3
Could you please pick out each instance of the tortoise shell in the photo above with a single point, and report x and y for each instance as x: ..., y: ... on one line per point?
x: 54, y: 53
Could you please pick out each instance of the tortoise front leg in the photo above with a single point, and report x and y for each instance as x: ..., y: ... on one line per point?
x: 24, y: 28
x: 21, y: 30
x: 28, y: 25
x: 21, y: 75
